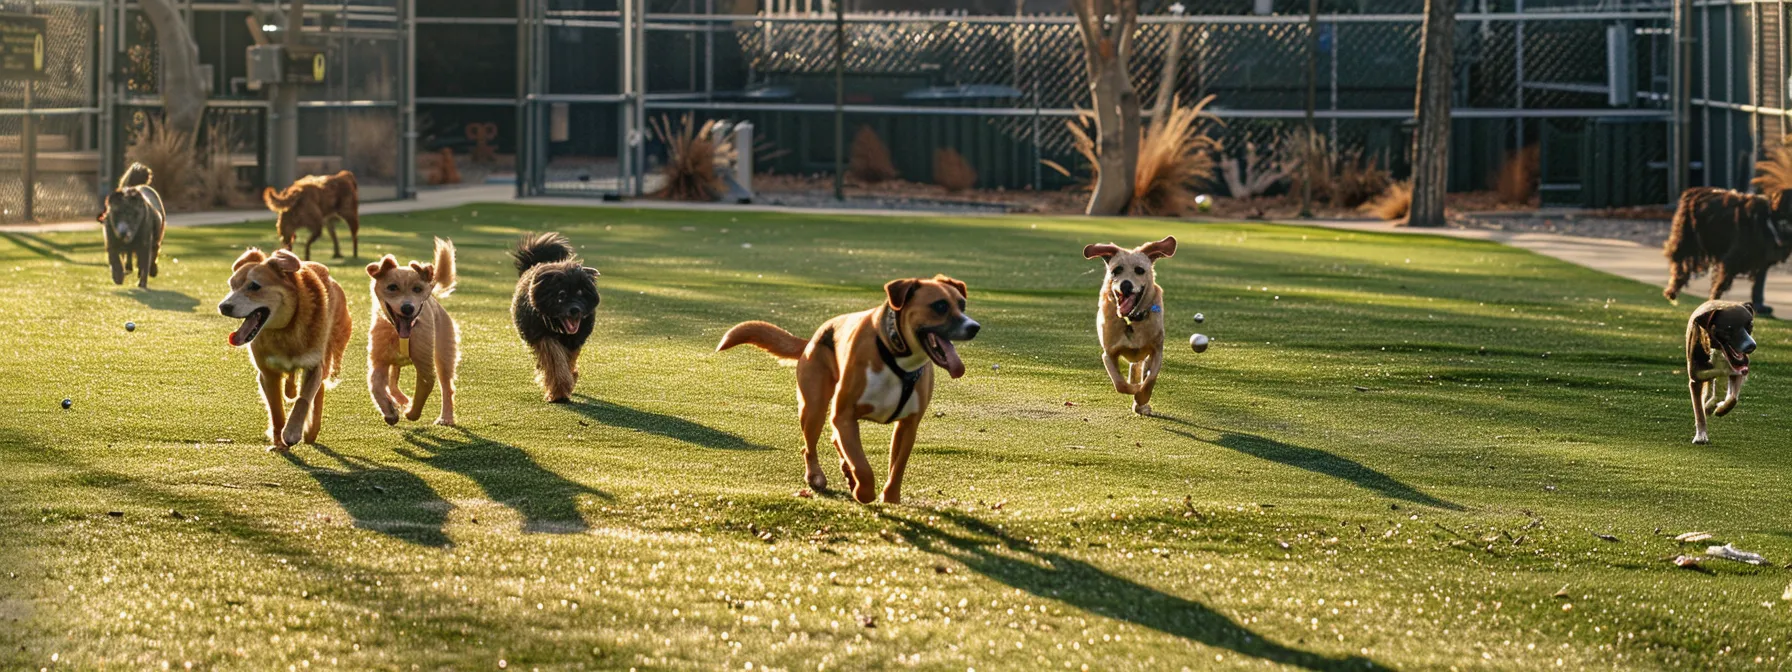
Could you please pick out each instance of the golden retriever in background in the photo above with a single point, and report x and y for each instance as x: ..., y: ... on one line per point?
x: 1130, y: 320
x: 296, y: 324
x: 410, y: 328
x: 314, y: 202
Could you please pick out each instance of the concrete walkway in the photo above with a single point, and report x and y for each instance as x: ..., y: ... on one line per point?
x: 1618, y: 257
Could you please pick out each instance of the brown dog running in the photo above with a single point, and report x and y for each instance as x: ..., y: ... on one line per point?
x: 410, y: 327
x: 870, y: 365
x: 312, y: 203
x: 1130, y: 320
x: 1729, y: 233
x: 1719, y: 340
x: 295, y: 322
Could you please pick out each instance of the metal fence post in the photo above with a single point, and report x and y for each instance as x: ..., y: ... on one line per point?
x: 1306, y: 185
x: 839, y: 100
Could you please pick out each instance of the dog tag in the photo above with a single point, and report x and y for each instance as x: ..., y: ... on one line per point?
x: 404, y: 347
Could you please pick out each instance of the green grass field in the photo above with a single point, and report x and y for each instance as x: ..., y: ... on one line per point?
x: 1399, y: 453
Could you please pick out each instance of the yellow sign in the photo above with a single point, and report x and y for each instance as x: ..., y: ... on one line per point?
x: 37, y: 54
x: 317, y: 67
x: 23, y: 48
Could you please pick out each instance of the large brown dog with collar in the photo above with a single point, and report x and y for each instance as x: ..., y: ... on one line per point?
x: 871, y: 365
x: 1130, y: 320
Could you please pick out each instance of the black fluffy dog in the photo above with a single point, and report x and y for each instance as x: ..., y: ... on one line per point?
x: 1728, y: 233
x: 554, y: 306
x: 134, y: 221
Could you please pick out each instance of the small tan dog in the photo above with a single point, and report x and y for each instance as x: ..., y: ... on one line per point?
x: 410, y: 328
x: 296, y: 323
x: 1131, y: 318
x: 872, y: 365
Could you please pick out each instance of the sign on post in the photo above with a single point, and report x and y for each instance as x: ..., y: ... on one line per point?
x: 22, y: 47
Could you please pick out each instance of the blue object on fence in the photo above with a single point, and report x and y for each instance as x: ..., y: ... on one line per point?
x: 963, y: 92
x: 769, y: 93
x: 1326, y: 34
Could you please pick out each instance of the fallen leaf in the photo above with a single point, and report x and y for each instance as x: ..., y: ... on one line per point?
x: 1729, y: 552
x: 804, y: 493
x: 1608, y: 537
x: 1563, y: 593
x: 1693, y: 537
x: 1687, y: 561
x: 176, y: 515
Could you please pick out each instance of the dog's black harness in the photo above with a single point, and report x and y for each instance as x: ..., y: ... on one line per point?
x: 889, y: 326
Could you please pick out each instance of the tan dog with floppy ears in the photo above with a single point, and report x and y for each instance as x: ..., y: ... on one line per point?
x: 410, y: 328
x: 1131, y: 318
x: 870, y: 365
x: 296, y: 323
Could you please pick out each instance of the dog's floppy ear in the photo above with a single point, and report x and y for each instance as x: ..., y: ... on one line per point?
x: 592, y: 272
x: 1160, y: 249
x: 1103, y: 250
x: 953, y: 283
x: 900, y: 290
x: 427, y: 271
x: 285, y: 261
x: 1705, y: 319
x: 386, y: 263
x: 1751, y: 308
x: 250, y: 256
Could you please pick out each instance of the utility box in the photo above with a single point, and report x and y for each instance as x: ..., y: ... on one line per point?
x: 279, y: 63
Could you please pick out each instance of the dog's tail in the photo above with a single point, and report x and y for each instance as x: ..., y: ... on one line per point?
x: 445, y: 275
x: 135, y: 176
x: 541, y: 248
x: 766, y: 336
x: 281, y: 201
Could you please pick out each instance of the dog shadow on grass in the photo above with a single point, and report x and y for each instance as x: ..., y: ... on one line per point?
x: 548, y: 502
x: 671, y: 427
x: 1316, y: 461
x: 388, y: 500
x: 39, y: 246
x: 163, y: 299
x: 1011, y: 561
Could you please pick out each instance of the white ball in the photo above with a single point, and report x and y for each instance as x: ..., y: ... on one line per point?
x: 1203, y: 202
x: 1199, y: 318
x: 1198, y: 342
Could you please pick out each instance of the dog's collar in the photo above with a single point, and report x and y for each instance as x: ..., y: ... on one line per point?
x: 909, y: 378
x: 889, y: 331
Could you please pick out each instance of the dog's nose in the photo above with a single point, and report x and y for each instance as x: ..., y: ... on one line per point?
x: 1748, y: 346
x: 226, y: 309
x: 1126, y: 286
x: 971, y: 328
x: 407, y: 309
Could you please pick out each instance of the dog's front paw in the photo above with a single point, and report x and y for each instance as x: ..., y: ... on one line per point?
x: 816, y: 481
x: 892, y: 497
x: 414, y: 412
x: 1724, y: 407
x: 292, y: 436
x: 391, y: 418
x: 445, y: 421
x: 1142, y: 409
x: 1701, y: 438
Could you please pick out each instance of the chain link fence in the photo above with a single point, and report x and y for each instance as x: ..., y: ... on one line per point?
x: 1740, y: 82
x: 55, y: 117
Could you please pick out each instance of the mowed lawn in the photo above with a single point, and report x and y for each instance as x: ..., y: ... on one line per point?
x: 1401, y: 452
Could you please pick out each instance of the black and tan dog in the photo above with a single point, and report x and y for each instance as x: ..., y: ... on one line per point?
x: 870, y: 365
x: 134, y: 221
x: 1728, y: 233
x: 296, y: 323
x: 1130, y: 320
x: 410, y: 328
x: 1719, y: 340
x: 554, y: 308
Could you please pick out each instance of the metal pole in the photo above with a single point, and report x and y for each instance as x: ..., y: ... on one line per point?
x: 283, y: 161
x: 640, y: 102
x: 625, y: 155
x: 524, y: 12
x: 1337, y: 48
x: 28, y: 141
x: 839, y: 100
x: 407, y: 105
x: 709, y: 50
x: 1306, y: 185
x: 1518, y: 77
x: 103, y: 86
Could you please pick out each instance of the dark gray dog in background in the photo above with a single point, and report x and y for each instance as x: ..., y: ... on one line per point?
x: 134, y: 221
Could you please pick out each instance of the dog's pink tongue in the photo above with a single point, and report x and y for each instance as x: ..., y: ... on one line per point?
x: 571, y: 324
x: 953, y: 364
x: 242, y: 333
x: 1128, y: 302
x: 403, y: 328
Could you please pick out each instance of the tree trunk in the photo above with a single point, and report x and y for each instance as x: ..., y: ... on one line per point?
x: 1107, y: 47
x: 1431, y: 142
x: 183, y: 95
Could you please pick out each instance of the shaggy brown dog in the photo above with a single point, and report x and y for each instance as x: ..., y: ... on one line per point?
x: 410, y: 327
x: 313, y: 202
x: 554, y: 308
x: 295, y: 322
x: 1728, y: 233
x: 1130, y: 320
x: 134, y: 221
x: 1718, y: 343
x: 870, y: 365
